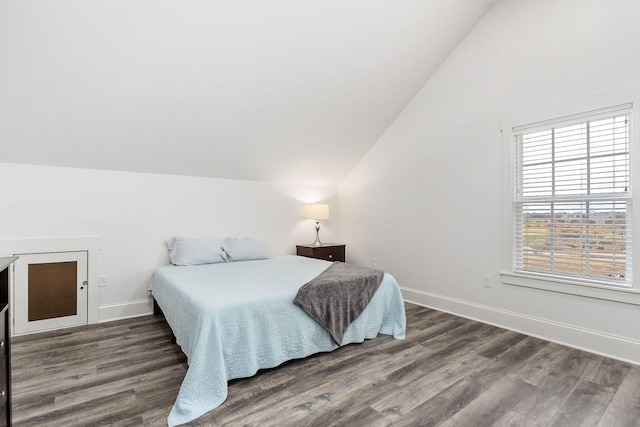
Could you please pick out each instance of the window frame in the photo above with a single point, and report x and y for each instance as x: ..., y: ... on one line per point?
x: 569, y: 285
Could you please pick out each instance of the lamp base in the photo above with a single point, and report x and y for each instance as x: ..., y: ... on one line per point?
x: 317, y: 242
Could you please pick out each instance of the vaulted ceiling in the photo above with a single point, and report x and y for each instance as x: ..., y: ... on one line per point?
x: 279, y: 90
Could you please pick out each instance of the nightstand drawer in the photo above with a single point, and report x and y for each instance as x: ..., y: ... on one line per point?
x: 3, y: 338
x: 332, y: 253
x: 4, y: 384
x: 327, y: 252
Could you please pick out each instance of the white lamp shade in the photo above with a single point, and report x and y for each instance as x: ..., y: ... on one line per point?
x: 316, y: 211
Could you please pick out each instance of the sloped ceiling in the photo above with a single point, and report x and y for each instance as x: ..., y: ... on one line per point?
x: 279, y: 90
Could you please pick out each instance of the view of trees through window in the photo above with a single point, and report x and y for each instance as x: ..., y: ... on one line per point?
x: 572, y: 200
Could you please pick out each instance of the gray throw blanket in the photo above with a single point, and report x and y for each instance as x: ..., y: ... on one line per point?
x: 338, y: 296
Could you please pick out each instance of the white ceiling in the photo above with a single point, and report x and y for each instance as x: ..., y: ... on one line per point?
x: 279, y: 90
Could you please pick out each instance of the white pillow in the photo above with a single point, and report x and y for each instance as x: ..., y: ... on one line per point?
x: 244, y: 249
x: 195, y: 251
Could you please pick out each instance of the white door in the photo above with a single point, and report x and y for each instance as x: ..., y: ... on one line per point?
x: 50, y: 291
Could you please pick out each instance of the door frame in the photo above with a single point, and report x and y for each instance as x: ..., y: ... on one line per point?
x: 90, y: 244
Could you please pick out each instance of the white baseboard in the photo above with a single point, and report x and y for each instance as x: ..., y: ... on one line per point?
x: 125, y: 310
x: 613, y: 346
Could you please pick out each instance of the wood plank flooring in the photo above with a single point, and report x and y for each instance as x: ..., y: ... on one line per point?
x: 449, y: 372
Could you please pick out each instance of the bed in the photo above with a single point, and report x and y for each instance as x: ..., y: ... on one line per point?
x: 233, y: 318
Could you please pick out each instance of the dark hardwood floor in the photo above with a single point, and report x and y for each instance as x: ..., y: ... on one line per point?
x: 449, y: 372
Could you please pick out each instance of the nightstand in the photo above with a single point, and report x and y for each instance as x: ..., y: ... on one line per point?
x: 327, y: 251
x: 5, y: 344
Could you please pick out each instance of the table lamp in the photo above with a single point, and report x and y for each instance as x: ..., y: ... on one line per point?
x: 317, y: 212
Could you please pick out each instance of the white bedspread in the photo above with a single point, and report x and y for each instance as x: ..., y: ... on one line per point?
x: 232, y: 319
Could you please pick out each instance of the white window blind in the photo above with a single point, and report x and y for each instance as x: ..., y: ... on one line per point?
x: 572, y: 201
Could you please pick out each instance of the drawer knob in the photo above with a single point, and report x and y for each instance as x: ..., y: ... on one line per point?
x: 2, y: 394
x: 2, y: 344
x: 330, y: 256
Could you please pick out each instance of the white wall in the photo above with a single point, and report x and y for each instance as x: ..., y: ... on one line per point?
x: 134, y: 213
x: 426, y: 201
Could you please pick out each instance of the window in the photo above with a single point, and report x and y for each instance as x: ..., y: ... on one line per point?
x: 572, y: 197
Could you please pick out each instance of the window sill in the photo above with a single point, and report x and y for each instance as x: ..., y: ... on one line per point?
x: 610, y: 293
